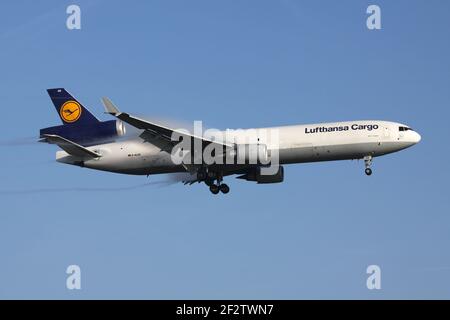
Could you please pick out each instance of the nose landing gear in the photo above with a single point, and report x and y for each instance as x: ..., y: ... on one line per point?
x: 368, y: 163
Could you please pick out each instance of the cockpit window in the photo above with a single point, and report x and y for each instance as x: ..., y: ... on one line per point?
x: 404, y: 129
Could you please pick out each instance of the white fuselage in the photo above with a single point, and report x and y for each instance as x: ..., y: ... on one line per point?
x: 294, y: 144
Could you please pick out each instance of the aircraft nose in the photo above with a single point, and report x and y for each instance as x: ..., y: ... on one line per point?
x: 416, y: 137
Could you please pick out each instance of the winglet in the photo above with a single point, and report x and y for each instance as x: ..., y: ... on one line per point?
x: 110, y: 107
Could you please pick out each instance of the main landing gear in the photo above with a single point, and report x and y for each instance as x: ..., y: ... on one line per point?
x: 216, y: 188
x: 210, y: 177
x: 368, y: 163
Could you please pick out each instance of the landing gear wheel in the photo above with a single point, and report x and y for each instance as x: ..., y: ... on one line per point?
x: 368, y: 171
x: 214, y: 189
x: 224, y: 188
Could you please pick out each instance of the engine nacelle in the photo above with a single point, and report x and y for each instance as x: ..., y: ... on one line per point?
x: 120, y: 128
x: 257, y: 176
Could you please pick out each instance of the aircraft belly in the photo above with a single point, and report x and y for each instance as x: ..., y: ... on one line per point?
x: 297, y: 153
x: 344, y: 151
x: 139, y: 164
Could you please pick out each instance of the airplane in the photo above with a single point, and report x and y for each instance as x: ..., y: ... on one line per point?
x: 90, y: 143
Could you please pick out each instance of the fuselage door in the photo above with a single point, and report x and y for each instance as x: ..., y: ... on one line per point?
x: 386, y: 133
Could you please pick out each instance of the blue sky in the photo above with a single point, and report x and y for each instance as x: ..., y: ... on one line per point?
x: 232, y: 64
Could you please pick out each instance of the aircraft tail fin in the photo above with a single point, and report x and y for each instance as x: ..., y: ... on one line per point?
x: 69, y: 109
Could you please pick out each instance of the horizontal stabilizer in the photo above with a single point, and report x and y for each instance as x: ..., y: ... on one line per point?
x: 70, y: 147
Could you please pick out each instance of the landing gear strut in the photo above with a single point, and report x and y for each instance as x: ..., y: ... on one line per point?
x: 368, y: 163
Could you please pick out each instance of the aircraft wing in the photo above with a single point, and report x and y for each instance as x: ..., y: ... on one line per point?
x: 156, y: 134
x: 70, y: 147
